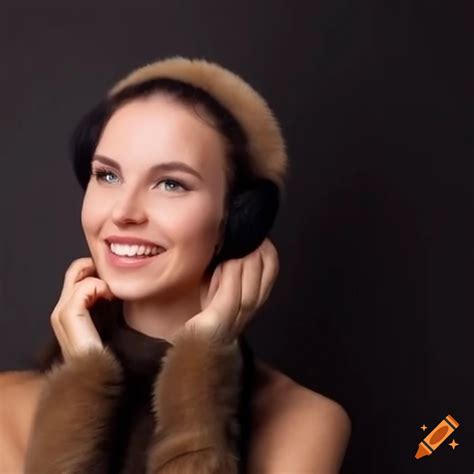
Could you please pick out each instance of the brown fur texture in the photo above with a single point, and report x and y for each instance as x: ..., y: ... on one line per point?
x: 267, y: 147
x: 74, y: 407
x: 195, y: 397
x: 195, y: 401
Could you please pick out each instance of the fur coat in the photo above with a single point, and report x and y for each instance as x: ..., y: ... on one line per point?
x: 92, y: 402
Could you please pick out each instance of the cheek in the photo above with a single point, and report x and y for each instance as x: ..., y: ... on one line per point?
x: 92, y: 214
x: 86, y: 216
x: 195, y: 225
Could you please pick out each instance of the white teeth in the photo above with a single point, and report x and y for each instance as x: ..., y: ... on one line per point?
x: 133, y: 250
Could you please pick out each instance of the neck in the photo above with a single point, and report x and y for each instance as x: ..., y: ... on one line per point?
x: 161, y: 318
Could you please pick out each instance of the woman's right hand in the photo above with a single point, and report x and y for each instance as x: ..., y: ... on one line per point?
x: 70, y: 319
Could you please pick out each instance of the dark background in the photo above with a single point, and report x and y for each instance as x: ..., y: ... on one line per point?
x: 374, y: 303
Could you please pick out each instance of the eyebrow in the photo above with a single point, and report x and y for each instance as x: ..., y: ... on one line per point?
x: 165, y: 166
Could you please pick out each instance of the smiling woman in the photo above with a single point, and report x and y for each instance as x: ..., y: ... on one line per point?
x: 183, y: 165
x: 137, y: 201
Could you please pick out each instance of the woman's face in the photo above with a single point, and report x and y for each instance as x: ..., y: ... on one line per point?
x: 175, y: 209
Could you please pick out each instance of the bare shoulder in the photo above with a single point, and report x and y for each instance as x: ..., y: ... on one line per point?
x: 19, y: 395
x: 11, y: 378
x: 295, y: 428
x: 277, y: 387
x: 19, y: 391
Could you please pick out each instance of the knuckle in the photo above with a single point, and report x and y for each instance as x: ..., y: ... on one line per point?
x: 69, y: 272
x: 53, y: 319
x: 273, y: 252
x: 88, y: 287
x: 267, y: 243
x: 56, y: 308
x: 76, y: 265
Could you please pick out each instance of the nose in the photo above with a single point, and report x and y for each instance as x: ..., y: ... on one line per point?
x: 129, y: 208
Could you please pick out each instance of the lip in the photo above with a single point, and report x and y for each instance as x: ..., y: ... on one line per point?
x: 128, y: 262
x: 123, y: 239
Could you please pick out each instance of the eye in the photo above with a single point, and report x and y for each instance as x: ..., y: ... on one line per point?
x: 102, y: 173
x: 175, y: 184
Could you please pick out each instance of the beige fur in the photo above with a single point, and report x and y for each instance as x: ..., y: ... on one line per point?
x: 195, y: 398
x: 266, y: 144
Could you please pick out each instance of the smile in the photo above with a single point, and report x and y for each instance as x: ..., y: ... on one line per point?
x: 125, y: 250
x: 128, y: 256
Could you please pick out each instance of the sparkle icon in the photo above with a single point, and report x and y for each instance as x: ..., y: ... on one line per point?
x: 453, y: 444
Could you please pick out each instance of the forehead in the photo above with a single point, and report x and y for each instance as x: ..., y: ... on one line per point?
x: 146, y: 131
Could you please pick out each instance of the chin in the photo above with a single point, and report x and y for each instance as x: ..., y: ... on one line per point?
x: 134, y: 289
x: 129, y: 289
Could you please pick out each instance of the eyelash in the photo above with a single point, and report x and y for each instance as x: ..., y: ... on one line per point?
x: 101, y: 173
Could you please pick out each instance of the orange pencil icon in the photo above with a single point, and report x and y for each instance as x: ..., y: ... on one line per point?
x: 436, y: 437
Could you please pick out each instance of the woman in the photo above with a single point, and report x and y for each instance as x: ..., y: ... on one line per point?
x: 150, y: 372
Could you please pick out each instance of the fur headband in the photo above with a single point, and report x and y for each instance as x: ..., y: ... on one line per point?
x: 266, y: 147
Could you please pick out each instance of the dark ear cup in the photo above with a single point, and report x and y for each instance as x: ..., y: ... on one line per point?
x: 252, y: 213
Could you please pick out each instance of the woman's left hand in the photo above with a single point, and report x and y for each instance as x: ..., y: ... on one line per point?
x: 238, y: 288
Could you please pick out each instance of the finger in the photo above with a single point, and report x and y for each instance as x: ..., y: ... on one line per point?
x: 226, y: 300
x: 271, y: 268
x: 95, y: 289
x: 214, y: 282
x: 209, y: 286
x: 77, y: 322
x: 73, y: 274
x: 61, y: 336
x: 251, y: 283
x: 268, y: 246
